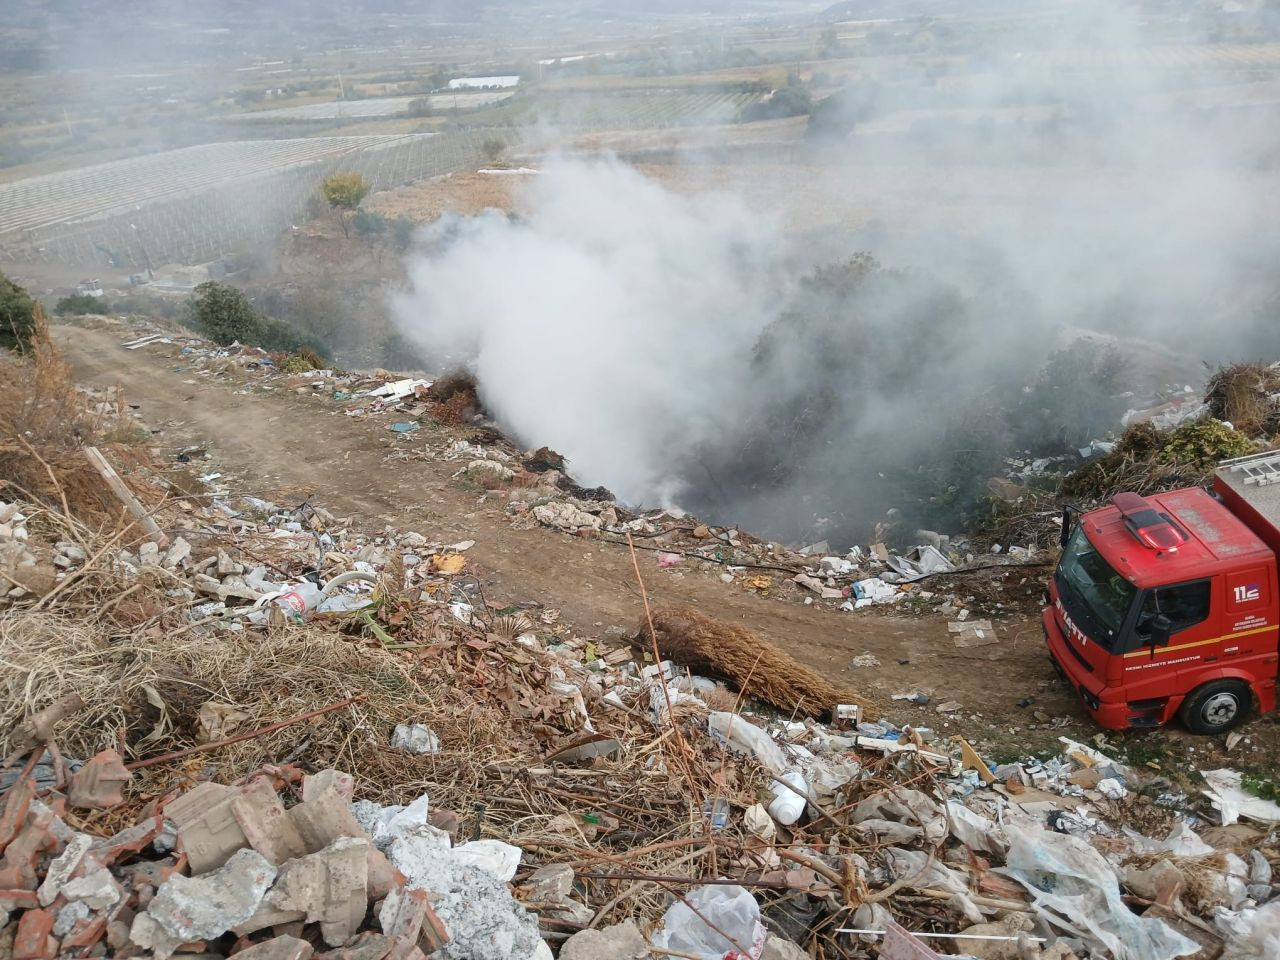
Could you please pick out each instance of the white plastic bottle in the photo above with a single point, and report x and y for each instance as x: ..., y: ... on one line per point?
x: 298, y: 599
x: 787, y: 805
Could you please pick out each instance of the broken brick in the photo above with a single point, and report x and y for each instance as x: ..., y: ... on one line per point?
x: 208, y: 831
x: 367, y: 946
x: 326, y: 818
x: 99, y: 784
x: 331, y: 886
x: 85, y: 934
x: 130, y: 840
x: 407, y: 915
x: 34, y: 939
x: 11, y: 900
x: 401, y: 913
x: 15, y: 810
x: 406, y: 950
x: 343, y: 784
x: 265, y: 824
x: 18, y: 867
x: 279, y: 948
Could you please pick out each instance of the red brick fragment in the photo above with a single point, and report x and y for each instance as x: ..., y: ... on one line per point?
x: 34, y: 939
x: 278, y: 948
x: 85, y: 934
x: 363, y: 946
x: 15, y: 810
x: 11, y: 900
x: 99, y: 784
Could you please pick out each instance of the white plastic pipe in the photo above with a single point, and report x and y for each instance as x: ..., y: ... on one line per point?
x: 950, y: 936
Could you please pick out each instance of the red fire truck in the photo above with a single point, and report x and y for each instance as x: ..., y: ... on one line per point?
x: 1167, y: 605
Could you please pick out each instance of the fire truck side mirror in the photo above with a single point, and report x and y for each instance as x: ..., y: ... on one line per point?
x: 1065, y: 534
x: 1161, y: 628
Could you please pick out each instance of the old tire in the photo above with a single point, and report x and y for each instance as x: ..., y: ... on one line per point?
x: 1216, y: 707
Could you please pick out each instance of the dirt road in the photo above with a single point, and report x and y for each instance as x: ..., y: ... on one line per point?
x: 284, y: 446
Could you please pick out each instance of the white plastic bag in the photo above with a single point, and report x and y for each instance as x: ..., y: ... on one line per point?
x: 730, y: 908
x: 1074, y: 889
x: 1250, y: 934
x: 746, y: 737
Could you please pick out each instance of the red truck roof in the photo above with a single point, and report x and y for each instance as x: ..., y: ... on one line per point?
x: 1206, y: 535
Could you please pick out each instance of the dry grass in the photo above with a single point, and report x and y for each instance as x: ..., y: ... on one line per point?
x: 1241, y: 395
x: 45, y: 423
x: 734, y: 653
x: 146, y: 692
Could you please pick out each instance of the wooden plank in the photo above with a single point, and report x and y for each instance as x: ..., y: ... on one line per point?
x: 125, y: 496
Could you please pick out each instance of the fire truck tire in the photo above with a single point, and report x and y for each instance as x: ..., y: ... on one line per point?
x: 1216, y: 707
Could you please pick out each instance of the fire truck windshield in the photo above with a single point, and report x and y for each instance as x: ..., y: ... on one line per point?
x: 1092, y: 591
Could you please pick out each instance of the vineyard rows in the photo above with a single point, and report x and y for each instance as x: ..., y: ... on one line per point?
x: 199, y: 203
x: 373, y: 108
x: 1217, y: 54
x: 636, y: 110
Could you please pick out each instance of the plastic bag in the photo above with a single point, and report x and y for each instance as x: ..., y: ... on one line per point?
x: 976, y: 831
x: 746, y: 737
x: 1250, y: 934
x: 730, y: 908
x: 1073, y: 888
x: 903, y: 805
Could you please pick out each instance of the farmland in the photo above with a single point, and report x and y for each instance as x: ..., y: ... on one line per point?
x: 626, y: 109
x: 374, y: 107
x: 191, y: 204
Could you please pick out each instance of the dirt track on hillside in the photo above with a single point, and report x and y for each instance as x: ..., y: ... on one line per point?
x: 282, y: 446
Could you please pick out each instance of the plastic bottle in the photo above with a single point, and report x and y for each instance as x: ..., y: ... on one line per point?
x: 787, y: 805
x: 298, y: 599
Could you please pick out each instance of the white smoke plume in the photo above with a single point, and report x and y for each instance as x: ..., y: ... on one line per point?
x: 611, y: 320
x: 670, y: 346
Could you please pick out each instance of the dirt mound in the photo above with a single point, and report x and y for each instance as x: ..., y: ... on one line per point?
x: 743, y: 657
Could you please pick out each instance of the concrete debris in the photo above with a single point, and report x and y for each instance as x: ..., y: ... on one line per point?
x: 483, y: 920
x: 779, y: 948
x: 623, y: 941
x: 97, y: 890
x: 565, y: 516
x: 278, y: 948
x: 200, y: 908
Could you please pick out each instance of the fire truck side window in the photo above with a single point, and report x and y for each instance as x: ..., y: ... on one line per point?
x: 1185, y: 604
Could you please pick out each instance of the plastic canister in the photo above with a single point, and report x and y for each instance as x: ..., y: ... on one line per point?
x: 787, y: 805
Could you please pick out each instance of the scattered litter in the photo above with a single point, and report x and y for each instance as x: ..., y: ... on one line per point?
x: 972, y: 633
x: 415, y: 738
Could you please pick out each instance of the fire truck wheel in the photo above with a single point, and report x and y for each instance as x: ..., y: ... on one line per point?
x: 1216, y: 707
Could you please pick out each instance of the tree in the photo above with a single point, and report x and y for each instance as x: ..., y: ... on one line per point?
x: 421, y: 107
x: 344, y: 191
x: 493, y: 149
x: 81, y: 303
x: 17, y: 315
x: 368, y: 223
x: 402, y: 231
x: 224, y: 314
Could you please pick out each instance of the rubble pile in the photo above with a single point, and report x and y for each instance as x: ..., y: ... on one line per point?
x: 539, y: 490
x: 178, y: 701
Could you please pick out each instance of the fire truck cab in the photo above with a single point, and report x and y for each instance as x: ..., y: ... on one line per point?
x: 1167, y: 605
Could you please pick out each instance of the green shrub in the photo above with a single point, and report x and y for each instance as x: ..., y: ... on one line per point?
x: 1203, y: 444
x: 224, y: 314
x: 17, y: 315
x: 368, y: 223
x: 79, y: 303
